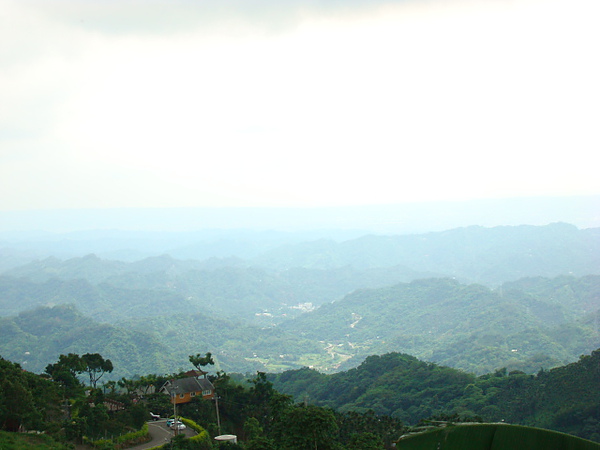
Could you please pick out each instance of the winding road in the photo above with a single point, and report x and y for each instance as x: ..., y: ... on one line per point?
x: 160, y: 434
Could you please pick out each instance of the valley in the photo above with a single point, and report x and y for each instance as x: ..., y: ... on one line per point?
x: 325, y: 305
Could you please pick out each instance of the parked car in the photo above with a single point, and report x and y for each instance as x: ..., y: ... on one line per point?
x: 178, y: 426
x: 154, y: 416
x: 171, y: 422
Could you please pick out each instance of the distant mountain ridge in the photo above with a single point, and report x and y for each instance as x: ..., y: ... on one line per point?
x: 373, y: 294
x: 102, y: 302
x: 486, y: 255
x: 223, y: 286
x: 474, y: 254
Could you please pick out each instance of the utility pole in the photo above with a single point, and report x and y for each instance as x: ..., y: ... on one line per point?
x: 174, y: 411
x: 218, y: 416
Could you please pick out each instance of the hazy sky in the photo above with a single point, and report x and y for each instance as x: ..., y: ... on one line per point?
x: 270, y: 103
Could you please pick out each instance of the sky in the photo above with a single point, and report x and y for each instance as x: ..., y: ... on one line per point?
x: 149, y: 104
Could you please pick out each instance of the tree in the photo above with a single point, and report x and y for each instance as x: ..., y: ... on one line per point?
x: 262, y: 389
x: 94, y: 418
x: 161, y: 404
x: 111, y: 386
x: 256, y: 440
x: 127, y: 384
x: 353, y: 423
x: 96, y: 366
x: 260, y: 443
x: 199, y: 361
x: 264, y: 402
x: 17, y: 405
x: 307, y: 427
x: 252, y: 428
x: 26, y: 399
x: 65, y: 372
x: 366, y: 441
x: 146, y: 383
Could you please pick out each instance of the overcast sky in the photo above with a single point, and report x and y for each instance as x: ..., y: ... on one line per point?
x: 289, y: 103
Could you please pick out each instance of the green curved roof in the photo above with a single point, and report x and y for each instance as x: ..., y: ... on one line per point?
x: 493, y: 437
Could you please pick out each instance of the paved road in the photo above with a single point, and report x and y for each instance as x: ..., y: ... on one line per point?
x: 160, y: 434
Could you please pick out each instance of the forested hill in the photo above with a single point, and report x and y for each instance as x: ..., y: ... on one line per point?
x: 565, y: 398
x: 314, y: 272
x: 111, y: 291
x: 476, y: 254
x: 330, y: 304
x: 524, y: 325
x: 36, y: 338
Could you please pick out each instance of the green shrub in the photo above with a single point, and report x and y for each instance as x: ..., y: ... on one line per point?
x: 191, y: 424
x: 134, y: 437
x: 202, y: 440
x: 123, y: 441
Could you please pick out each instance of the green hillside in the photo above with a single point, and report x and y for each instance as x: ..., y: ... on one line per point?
x: 465, y: 326
x: 565, y: 398
x: 36, y: 338
x: 322, y: 271
x: 111, y: 291
x: 152, y: 344
x: 328, y: 304
x: 103, y: 302
x: 471, y: 327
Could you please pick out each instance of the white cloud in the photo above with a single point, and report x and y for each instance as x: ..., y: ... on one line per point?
x: 410, y: 101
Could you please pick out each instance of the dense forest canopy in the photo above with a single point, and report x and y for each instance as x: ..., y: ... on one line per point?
x: 564, y: 398
x: 524, y: 325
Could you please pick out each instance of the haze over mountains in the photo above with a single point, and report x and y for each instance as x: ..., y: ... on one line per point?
x: 476, y: 298
x: 403, y: 218
x: 200, y: 233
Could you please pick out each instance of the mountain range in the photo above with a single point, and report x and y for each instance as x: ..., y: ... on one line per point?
x: 521, y: 297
